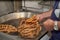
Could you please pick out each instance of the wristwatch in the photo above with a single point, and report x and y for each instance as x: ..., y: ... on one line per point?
x: 55, y: 25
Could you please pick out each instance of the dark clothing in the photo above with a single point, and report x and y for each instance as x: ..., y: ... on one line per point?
x: 55, y: 34
x: 53, y: 16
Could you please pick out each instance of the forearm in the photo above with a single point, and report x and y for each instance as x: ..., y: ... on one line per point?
x: 47, y: 14
x: 44, y: 15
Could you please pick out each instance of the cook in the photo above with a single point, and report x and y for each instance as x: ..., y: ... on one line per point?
x: 53, y: 22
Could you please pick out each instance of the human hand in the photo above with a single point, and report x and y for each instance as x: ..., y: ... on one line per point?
x: 40, y: 17
x: 49, y: 24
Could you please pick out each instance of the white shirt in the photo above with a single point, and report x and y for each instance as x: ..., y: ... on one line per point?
x: 57, y: 13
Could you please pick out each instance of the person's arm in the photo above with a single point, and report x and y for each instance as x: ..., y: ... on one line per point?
x: 50, y: 23
x: 44, y: 15
x: 47, y: 14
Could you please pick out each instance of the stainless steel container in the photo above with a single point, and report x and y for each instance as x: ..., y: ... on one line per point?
x: 14, y: 19
x: 11, y: 19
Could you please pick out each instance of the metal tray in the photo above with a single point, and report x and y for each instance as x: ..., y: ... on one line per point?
x: 12, y: 19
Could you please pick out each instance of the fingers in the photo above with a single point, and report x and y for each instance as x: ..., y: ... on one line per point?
x: 37, y: 17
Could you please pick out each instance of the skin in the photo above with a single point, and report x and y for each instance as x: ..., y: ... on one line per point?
x: 49, y: 23
x: 59, y: 25
x: 44, y: 15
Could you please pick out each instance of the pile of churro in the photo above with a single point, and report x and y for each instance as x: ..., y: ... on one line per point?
x: 7, y: 28
x: 29, y: 28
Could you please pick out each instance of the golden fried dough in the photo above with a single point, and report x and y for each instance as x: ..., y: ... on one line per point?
x: 7, y: 28
x: 29, y: 28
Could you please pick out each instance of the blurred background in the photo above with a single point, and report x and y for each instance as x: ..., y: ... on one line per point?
x: 24, y: 5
